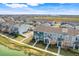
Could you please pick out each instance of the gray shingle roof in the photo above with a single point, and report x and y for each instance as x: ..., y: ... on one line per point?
x: 49, y: 29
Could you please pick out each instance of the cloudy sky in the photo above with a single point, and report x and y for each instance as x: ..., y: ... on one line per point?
x: 40, y: 8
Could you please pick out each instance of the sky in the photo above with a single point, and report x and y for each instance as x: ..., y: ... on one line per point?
x: 40, y: 8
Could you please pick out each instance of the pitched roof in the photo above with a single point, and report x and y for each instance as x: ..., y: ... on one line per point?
x: 42, y: 28
x: 49, y: 29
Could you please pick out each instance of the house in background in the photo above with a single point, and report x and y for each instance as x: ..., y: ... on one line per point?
x: 13, y: 29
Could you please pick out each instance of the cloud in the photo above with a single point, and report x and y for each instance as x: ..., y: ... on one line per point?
x: 34, y: 4
x: 17, y: 5
x: 42, y: 10
x: 14, y: 5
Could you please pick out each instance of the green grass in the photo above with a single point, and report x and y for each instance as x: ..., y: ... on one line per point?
x: 53, y: 48
x: 19, y: 38
x: 12, y: 49
x: 67, y: 53
x: 5, y: 51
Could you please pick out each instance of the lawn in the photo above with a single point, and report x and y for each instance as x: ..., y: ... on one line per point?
x: 8, y: 48
x: 19, y: 38
x: 28, y: 40
x: 53, y: 48
x: 15, y: 46
x: 5, y: 51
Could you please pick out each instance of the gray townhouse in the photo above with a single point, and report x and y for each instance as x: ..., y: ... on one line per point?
x: 50, y: 35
